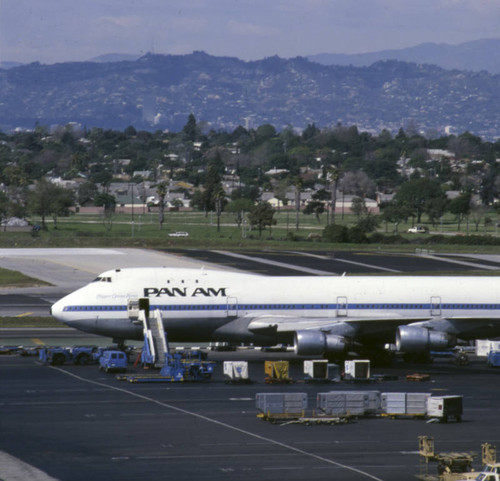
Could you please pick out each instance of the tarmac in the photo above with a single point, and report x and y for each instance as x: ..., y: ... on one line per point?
x: 75, y: 423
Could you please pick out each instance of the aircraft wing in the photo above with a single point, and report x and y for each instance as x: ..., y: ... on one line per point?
x: 364, y: 325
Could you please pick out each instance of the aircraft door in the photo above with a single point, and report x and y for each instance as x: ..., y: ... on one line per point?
x: 435, y: 306
x: 231, y: 306
x: 341, y: 306
x: 133, y: 307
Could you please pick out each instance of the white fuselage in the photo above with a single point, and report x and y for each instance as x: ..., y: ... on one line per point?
x: 205, y: 305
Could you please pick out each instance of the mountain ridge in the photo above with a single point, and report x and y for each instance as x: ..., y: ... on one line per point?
x: 160, y: 91
x: 475, y: 56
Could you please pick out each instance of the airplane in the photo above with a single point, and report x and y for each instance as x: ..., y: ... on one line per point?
x: 320, y: 315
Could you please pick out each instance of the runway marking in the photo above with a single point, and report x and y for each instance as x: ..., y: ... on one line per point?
x: 261, y: 260
x: 361, y: 264
x: 24, y: 314
x: 220, y: 423
x: 38, y: 341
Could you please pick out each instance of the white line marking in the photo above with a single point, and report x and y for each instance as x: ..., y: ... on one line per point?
x: 220, y: 423
x: 316, y: 272
x: 362, y: 264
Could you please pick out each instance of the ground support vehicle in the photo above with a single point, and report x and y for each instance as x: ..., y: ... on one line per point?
x: 182, y: 366
x: 316, y: 420
x: 58, y: 356
x: 113, y: 361
x: 493, y: 359
x: 457, y: 466
x: 450, y: 466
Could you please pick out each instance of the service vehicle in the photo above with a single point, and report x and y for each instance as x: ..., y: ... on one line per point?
x: 113, y: 361
x: 418, y: 229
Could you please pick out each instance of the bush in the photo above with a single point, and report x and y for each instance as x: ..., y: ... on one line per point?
x: 357, y: 235
x: 335, y: 233
x: 379, y: 238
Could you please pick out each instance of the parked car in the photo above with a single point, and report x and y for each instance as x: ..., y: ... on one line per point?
x: 418, y: 229
x: 178, y: 234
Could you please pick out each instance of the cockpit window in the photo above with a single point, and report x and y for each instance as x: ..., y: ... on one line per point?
x: 102, y: 279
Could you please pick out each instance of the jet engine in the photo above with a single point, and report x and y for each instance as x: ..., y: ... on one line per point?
x: 313, y: 342
x: 419, y: 339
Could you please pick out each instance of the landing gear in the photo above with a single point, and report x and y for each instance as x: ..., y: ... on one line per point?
x: 120, y: 343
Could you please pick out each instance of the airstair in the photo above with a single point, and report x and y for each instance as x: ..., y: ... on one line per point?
x: 155, y: 341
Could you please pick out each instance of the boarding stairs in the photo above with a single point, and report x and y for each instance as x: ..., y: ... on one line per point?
x: 155, y: 348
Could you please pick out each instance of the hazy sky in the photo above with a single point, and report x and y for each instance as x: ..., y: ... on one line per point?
x: 51, y: 31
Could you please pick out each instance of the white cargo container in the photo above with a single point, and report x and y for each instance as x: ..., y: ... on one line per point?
x: 484, y: 346
x: 444, y: 407
x: 357, y: 370
x: 393, y: 402
x: 316, y: 370
x: 281, y: 403
x: 404, y: 403
x: 236, y: 370
x: 343, y: 403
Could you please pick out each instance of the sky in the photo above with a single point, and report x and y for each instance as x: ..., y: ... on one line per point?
x: 51, y: 31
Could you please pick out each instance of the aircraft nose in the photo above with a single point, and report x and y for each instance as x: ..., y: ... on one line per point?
x: 56, y: 310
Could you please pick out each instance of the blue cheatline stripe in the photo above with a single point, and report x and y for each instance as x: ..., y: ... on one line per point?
x: 286, y: 307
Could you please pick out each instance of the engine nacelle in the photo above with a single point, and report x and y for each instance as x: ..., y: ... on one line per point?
x: 419, y: 339
x: 317, y: 343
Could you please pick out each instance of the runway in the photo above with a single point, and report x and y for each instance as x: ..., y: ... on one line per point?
x: 75, y: 423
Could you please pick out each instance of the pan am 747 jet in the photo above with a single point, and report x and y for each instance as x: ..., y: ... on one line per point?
x: 319, y: 315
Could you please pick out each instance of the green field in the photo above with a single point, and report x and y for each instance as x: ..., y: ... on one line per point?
x: 142, y: 230
x: 16, y: 279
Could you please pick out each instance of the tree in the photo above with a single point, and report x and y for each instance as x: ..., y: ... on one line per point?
x: 394, y: 213
x: 239, y: 207
x: 190, y: 130
x: 212, y: 188
x: 161, y: 190
x: 317, y: 204
x: 40, y: 200
x: 261, y: 215
x: 334, y: 175
x: 4, y: 208
x: 419, y: 196
x: 358, y: 207
x: 298, y: 187
x: 86, y: 192
x: 61, y: 199
x: 460, y: 207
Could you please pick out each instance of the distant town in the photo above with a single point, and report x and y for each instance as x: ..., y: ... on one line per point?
x: 325, y: 173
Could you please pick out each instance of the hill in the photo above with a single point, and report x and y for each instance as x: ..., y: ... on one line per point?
x: 472, y: 56
x: 159, y: 91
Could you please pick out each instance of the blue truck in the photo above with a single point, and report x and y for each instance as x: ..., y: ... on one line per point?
x: 113, y: 361
x: 493, y: 359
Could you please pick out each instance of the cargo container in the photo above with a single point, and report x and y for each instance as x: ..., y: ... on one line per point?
x: 316, y: 370
x: 343, y: 403
x: 357, y: 370
x: 484, y: 346
x: 445, y: 407
x: 236, y: 371
x: 402, y: 403
x: 281, y: 403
